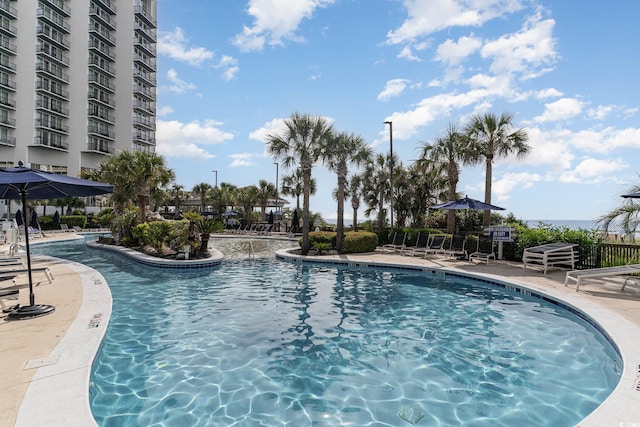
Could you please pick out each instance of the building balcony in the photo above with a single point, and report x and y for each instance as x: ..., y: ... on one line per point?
x: 102, y: 99
x: 145, y: 122
x: 99, y: 146
x: 52, y: 90
x: 101, y: 48
x: 101, y: 132
x: 103, y: 34
x: 7, y: 10
x: 53, y: 54
x: 58, y: 6
x: 146, y: 77
x: 7, y: 44
x: 7, y: 103
x: 103, y: 66
x: 149, y: 63
x: 7, y: 28
x: 107, y: 5
x: 142, y: 13
x: 54, y: 18
x: 140, y: 138
x: 149, y: 33
x: 144, y: 107
x: 46, y: 105
x: 46, y: 142
x: 6, y: 121
x: 144, y: 91
x: 8, y: 141
x: 102, y: 16
x: 8, y: 84
x: 103, y: 83
x: 53, y: 127
x: 53, y: 72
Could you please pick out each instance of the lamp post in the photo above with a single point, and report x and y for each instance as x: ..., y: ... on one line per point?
x: 216, y: 172
x: 391, y: 166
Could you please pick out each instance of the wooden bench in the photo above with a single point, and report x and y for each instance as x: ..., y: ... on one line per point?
x: 551, y: 255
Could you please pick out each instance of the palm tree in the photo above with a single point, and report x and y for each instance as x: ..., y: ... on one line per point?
x: 340, y: 152
x: 375, y: 189
x: 355, y: 193
x: 301, y: 144
x: 265, y: 191
x: 493, y: 137
x: 135, y: 176
x: 177, y: 194
x: 292, y: 185
x: 428, y: 184
x: 202, y: 190
x: 448, y: 152
x: 625, y: 217
x: 247, y: 197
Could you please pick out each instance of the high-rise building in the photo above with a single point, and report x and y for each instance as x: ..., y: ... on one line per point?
x: 77, y: 81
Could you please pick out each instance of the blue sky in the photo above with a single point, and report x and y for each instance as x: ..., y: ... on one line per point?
x: 230, y: 71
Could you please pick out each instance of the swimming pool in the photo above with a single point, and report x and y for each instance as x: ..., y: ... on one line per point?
x: 273, y: 343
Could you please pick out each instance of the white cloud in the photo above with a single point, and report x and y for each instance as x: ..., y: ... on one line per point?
x: 453, y: 53
x: 177, y: 139
x: 592, y: 170
x: 229, y: 66
x: 174, y: 45
x: 275, y: 22
x: 532, y: 48
x: 428, y: 16
x: 164, y: 111
x: 243, y: 160
x: 510, y: 181
x: 548, y: 93
x: 273, y: 127
x: 393, y: 88
x: 600, y: 112
x: 562, y: 109
x: 179, y: 85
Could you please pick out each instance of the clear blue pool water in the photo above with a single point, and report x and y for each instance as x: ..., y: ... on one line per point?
x: 271, y: 343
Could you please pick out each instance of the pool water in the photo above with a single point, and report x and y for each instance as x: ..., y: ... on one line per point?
x: 271, y: 343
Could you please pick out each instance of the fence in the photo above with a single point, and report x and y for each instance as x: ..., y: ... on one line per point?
x: 608, y: 254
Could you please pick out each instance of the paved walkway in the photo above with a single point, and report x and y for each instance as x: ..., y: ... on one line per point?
x: 27, y: 345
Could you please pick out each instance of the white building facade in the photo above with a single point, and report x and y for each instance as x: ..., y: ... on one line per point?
x: 77, y: 81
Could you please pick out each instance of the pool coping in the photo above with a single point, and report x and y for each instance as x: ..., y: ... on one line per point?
x: 621, y: 407
x: 59, y: 393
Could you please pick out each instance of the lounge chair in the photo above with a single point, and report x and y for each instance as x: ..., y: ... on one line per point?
x: 435, y: 245
x: 64, y: 227
x: 484, y: 250
x: 12, y: 272
x: 418, y: 249
x: 551, y: 255
x: 398, y: 243
x: 457, y: 247
x: 595, y: 273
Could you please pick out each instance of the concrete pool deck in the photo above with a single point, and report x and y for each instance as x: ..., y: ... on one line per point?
x: 46, y: 361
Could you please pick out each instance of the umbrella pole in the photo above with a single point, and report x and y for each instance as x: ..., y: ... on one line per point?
x: 26, y: 241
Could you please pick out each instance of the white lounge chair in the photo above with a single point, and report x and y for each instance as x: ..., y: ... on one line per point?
x: 551, y: 255
x: 596, y: 273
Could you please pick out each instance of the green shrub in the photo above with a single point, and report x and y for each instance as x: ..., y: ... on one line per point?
x: 46, y: 222
x: 160, y: 234
x: 74, y: 220
x: 322, y: 237
x: 359, y: 242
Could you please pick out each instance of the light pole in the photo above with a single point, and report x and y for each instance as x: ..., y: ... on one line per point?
x: 391, y: 167
x: 216, y: 172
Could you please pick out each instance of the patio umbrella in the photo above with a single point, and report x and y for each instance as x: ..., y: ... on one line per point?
x: 56, y: 219
x: 19, y: 219
x: 231, y: 213
x: 467, y: 203
x: 34, y: 220
x: 22, y: 183
x: 295, y: 221
x: 632, y: 196
x: 270, y: 220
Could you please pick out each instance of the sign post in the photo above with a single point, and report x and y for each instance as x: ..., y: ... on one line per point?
x: 501, y: 234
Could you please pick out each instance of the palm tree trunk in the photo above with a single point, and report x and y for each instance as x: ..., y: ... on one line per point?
x: 340, y: 226
x: 306, y: 179
x: 142, y: 205
x: 355, y: 219
x: 487, y: 192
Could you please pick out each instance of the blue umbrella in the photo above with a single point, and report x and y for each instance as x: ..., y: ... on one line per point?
x: 19, y: 218
x: 231, y: 213
x: 467, y: 203
x: 22, y: 183
x: 632, y: 195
